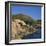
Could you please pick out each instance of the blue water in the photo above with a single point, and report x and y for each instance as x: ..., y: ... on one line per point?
x: 35, y: 35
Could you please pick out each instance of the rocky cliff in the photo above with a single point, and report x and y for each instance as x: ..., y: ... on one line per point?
x: 21, y: 29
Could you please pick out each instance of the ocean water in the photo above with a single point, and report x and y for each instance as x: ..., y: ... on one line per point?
x: 35, y: 35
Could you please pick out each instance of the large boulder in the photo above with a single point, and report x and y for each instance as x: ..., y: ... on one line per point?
x: 20, y: 29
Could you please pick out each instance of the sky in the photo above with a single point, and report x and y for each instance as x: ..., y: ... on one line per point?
x: 33, y: 11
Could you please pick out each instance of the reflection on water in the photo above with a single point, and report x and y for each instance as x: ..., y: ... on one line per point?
x: 35, y: 35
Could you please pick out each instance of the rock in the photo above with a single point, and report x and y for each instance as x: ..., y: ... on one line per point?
x: 20, y: 29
